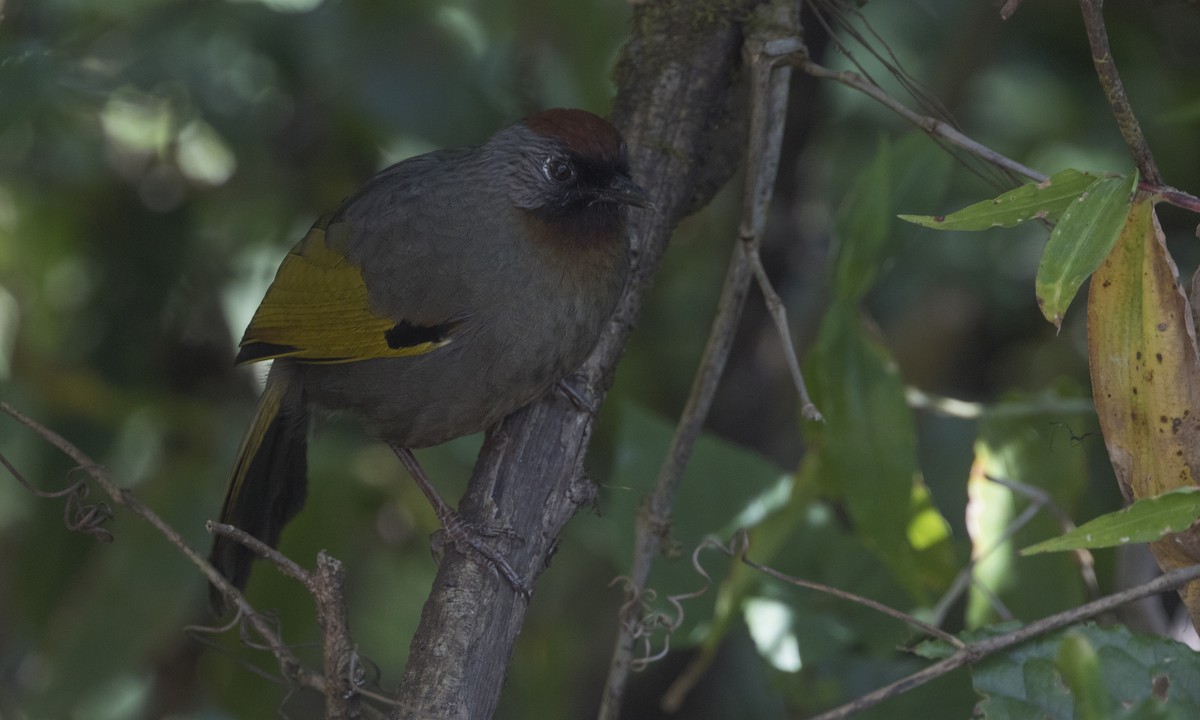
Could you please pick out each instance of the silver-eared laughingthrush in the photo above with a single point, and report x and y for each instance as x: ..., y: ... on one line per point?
x: 452, y: 289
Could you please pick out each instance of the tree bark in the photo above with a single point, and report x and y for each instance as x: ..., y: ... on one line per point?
x: 681, y: 108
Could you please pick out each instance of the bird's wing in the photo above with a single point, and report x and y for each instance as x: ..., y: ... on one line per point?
x: 317, y: 311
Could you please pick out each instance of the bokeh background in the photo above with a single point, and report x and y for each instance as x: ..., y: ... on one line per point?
x: 158, y: 158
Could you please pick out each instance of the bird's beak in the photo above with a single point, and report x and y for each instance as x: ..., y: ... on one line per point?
x: 624, y: 191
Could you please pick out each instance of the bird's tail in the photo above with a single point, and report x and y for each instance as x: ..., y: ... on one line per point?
x: 270, y: 476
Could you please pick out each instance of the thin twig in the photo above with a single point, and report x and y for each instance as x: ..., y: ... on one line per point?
x: 739, y: 548
x: 839, y: 22
x: 1131, y: 131
x: 78, y: 514
x: 769, y: 88
x: 342, y: 669
x: 1152, y: 181
x: 1087, y: 563
x: 779, y: 315
x: 650, y: 621
x: 1172, y: 196
x: 965, y: 576
x: 289, y: 664
x: 1114, y: 90
x: 343, y: 700
x: 326, y: 585
x: 282, y: 562
x: 846, y: 18
x: 1040, y: 499
x: 681, y: 687
x: 976, y: 651
x: 653, y: 521
x: 931, y: 126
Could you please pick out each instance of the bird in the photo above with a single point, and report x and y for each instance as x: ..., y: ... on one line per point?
x: 450, y: 290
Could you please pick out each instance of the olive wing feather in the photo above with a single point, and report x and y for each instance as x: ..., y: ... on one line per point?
x: 317, y: 310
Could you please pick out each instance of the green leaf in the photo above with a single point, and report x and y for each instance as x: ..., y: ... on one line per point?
x: 1046, y: 200
x: 862, y: 227
x: 1079, y: 666
x: 1154, y: 677
x: 867, y: 444
x: 1081, y: 240
x: 1146, y: 520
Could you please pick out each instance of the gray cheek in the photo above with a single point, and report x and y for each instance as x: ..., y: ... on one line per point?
x: 524, y: 183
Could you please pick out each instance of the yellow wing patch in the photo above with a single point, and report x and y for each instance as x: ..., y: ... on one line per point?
x: 317, y: 310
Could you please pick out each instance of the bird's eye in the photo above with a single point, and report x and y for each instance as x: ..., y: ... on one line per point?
x: 560, y: 170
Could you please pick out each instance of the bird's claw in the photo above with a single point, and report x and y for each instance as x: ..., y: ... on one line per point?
x: 581, y: 403
x: 468, y: 537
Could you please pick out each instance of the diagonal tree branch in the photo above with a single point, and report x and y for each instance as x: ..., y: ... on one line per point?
x: 677, y: 108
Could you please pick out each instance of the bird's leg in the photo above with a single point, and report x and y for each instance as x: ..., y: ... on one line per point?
x: 464, y: 535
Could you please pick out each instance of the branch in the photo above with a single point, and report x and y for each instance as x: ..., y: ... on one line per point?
x: 778, y: 313
x: 769, y: 93
x: 327, y: 585
x: 1151, y: 178
x: 977, y: 651
x: 1043, y: 499
x: 289, y: 665
x: 343, y: 672
x: 738, y: 548
x: 1114, y: 90
x: 676, y: 106
x: 931, y: 126
x: 282, y: 563
x: 1172, y: 196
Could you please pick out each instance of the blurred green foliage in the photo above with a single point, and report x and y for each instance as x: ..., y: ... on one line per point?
x: 157, y: 158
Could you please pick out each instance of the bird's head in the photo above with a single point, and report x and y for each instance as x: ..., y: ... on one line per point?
x: 569, y: 167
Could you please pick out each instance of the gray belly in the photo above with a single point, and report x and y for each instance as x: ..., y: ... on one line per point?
x: 456, y: 390
x: 519, y: 339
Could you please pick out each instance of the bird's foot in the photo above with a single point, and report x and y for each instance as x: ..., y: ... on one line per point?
x: 576, y: 396
x: 466, y: 537
x: 470, y: 538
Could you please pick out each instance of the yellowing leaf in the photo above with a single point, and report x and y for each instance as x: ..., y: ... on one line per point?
x: 1146, y: 375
